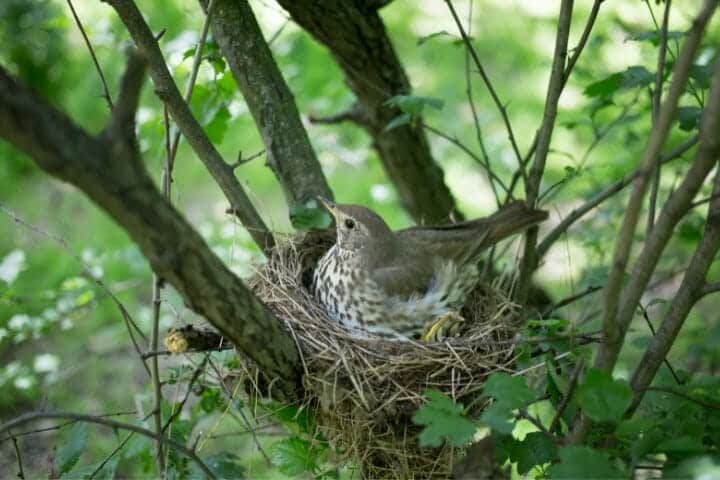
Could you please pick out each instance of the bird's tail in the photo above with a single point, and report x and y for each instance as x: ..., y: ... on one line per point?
x: 509, y: 220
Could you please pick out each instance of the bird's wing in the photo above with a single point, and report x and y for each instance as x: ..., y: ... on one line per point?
x: 452, y: 241
x: 405, y: 277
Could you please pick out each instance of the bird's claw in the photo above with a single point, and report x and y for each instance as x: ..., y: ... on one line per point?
x: 445, y: 326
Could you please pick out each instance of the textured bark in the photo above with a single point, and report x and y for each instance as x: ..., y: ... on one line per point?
x: 289, y: 152
x: 355, y: 35
x: 109, y: 170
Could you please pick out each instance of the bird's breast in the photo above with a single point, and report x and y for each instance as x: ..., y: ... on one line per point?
x: 342, y: 285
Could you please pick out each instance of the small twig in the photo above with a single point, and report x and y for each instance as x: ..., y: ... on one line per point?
x: 498, y: 103
x: 244, y: 418
x: 476, y: 122
x: 243, y: 161
x: 110, y: 455
x: 352, y: 114
x: 127, y: 318
x: 106, y: 92
x: 603, y: 195
x: 18, y: 456
x: 464, y: 148
x: 197, y: 60
x: 656, y: 99
x: 80, y: 417
x: 524, y: 415
x: 699, y: 401
x: 646, y: 316
x: 703, y: 201
x: 571, y: 299
x: 710, y: 288
x: 568, y: 395
x: 177, y: 409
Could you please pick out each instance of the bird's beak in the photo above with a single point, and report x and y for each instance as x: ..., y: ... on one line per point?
x: 329, y: 205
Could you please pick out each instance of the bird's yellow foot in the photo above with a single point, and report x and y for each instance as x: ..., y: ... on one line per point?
x: 445, y: 326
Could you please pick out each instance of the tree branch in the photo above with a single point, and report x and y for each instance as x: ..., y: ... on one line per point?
x: 603, y: 195
x: 532, y: 187
x: 168, y: 92
x: 98, y: 69
x: 612, y: 331
x: 689, y: 292
x: 500, y: 106
x: 32, y: 416
x: 356, y: 37
x: 675, y: 207
x: 111, y: 173
x: 289, y: 153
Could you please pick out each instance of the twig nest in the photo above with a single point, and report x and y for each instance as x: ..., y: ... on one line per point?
x: 365, y: 388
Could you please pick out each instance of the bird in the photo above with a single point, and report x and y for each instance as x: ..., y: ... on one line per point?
x: 396, y: 283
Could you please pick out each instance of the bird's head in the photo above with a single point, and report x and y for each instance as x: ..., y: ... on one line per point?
x: 359, y: 227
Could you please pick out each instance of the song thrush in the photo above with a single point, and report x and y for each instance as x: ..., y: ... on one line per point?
x: 395, y: 283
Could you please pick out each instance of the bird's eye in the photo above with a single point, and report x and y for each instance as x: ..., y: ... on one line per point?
x: 349, y: 224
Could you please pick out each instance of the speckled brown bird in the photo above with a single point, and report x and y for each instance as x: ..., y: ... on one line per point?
x: 396, y: 283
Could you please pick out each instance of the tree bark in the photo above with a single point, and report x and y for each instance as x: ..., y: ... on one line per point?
x: 355, y: 35
x: 108, y: 168
x: 289, y: 153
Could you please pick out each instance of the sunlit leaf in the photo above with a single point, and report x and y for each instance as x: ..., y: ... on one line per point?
x: 536, y: 449
x: 578, y: 462
x: 67, y: 455
x: 443, y: 419
x: 603, y: 398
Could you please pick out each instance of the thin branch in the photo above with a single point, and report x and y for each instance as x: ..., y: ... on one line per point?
x: 18, y: 456
x: 197, y: 60
x: 168, y: 92
x: 492, y: 175
x: 709, y: 289
x: 110, y: 455
x: 59, y: 426
x: 352, y: 114
x: 577, y: 50
x: 524, y: 415
x: 498, y: 103
x: 243, y: 161
x: 532, y: 186
x: 603, y: 195
x: 672, y: 391
x: 476, y: 123
x: 106, y: 92
x: 123, y: 116
x: 572, y: 383
x: 656, y: 98
x: 130, y: 324
x: 571, y: 299
x: 646, y: 316
x: 244, y: 418
x: 178, y: 408
x: 612, y: 330
x: 79, y: 417
x: 690, y: 288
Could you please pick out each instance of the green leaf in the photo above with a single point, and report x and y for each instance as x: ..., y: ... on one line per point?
x: 399, y: 121
x: 425, y: 38
x: 635, y: 76
x: 603, y: 398
x: 605, y: 87
x: 413, y: 104
x: 688, y: 118
x: 653, y: 36
x: 702, y: 74
x: 226, y: 465
x: 211, y: 400
x: 536, y: 449
x: 293, y: 456
x: 512, y: 391
x: 443, y: 420
x: 499, y: 416
x: 309, y: 216
x: 68, y: 455
x: 583, y: 462
x: 218, y: 124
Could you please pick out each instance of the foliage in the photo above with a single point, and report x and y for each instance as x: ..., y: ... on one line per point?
x: 62, y: 340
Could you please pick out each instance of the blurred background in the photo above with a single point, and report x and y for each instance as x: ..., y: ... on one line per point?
x: 63, y: 345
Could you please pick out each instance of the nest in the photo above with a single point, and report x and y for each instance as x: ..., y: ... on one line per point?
x: 364, y: 389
